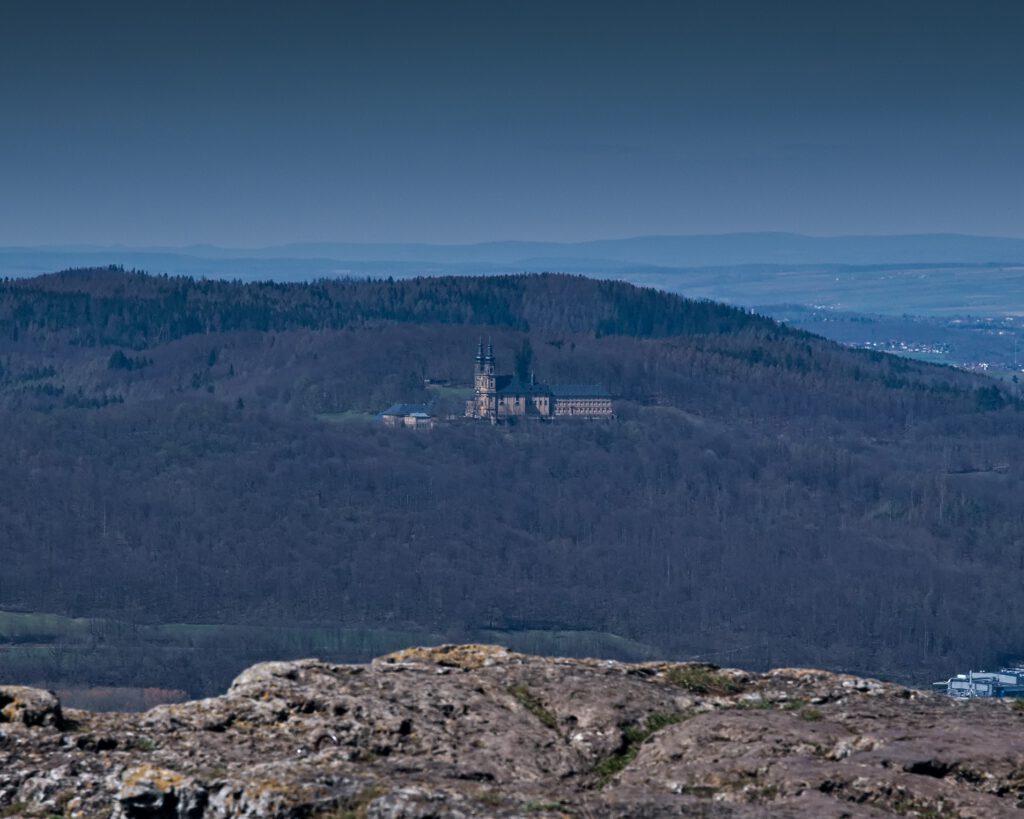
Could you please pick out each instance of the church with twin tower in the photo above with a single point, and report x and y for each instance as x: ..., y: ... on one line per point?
x: 503, y: 397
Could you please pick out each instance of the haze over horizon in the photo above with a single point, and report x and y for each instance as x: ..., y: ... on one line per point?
x: 509, y: 240
x: 463, y: 123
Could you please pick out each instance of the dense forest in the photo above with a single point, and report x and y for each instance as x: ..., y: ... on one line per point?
x: 180, y: 451
x: 103, y: 307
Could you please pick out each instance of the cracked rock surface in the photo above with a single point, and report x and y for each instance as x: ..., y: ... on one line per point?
x: 463, y: 731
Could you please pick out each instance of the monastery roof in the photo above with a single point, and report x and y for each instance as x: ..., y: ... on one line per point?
x: 407, y: 409
x: 579, y: 391
x: 507, y: 385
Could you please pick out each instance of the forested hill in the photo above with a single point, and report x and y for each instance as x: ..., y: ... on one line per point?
x: 193, y: 452
x: 89, y: 338
x: 110, y: 306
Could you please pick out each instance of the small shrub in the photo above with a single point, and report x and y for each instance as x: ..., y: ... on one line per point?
x: 633, y: 736
x: 489, y: 796
x: 534, y: 705
x: 703, y: 679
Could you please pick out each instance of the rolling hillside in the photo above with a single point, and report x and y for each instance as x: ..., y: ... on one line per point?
x: 764, y: 497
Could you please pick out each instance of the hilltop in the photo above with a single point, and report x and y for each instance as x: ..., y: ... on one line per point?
x: 152, y: 309
x: 193, y: 482
x: 461, y: 731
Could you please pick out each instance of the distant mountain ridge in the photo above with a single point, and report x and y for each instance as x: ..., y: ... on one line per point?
x: 314, y: 259
x: 937, y: 275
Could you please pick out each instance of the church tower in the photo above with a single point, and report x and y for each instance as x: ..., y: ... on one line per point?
x: 485, y: 384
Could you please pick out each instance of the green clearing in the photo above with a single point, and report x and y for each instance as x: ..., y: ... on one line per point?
x: 460, y: 393
x: 1005, y: 375
x: 31, y: 629
x: 203, y: 658
x: 16, y: 627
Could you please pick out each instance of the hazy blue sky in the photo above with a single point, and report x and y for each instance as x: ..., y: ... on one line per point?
x: 254, y: 123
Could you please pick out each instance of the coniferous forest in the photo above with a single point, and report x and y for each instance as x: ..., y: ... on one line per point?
x: 204, y: 452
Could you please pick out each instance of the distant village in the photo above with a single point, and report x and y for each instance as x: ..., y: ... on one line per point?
x: 502, y: 398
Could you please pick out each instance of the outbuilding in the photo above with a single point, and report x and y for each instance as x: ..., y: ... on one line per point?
x: 412, y: 416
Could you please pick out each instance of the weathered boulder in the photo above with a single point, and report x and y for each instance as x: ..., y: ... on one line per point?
x: 466, y: 731
x: 149, y: 792
x: 30, y: 706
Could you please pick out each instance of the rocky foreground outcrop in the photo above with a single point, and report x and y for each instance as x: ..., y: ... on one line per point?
x: 461, y: 731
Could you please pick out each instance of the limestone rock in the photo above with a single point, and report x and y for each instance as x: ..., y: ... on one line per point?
x: 29, y: 706
x: 151, y: 792
x: 467, y: 731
